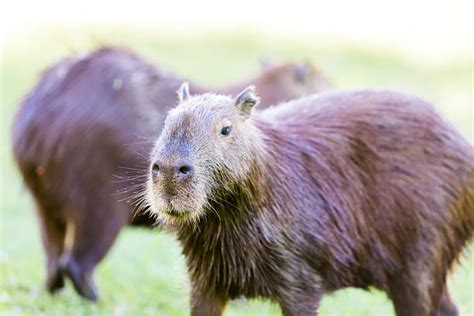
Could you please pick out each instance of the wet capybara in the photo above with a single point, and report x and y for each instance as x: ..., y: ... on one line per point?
x: 368, y: 188
x: 81, y: 141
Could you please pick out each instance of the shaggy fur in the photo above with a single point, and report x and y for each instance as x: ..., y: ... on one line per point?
x: 361, y: 189
x: 81, y: 140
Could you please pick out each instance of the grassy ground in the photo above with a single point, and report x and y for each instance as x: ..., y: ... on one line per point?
x: 144, y: 274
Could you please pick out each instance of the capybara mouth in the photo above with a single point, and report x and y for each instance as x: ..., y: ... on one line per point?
x: 172, y: 212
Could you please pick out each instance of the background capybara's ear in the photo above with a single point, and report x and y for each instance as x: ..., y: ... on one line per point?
x: 303, y: 71
x: 246, y: 100
x: 183, y: 92
x: 300, y: 73
x: 265, y: 63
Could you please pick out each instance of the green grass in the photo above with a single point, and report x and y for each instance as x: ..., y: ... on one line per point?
x: 144, y: 274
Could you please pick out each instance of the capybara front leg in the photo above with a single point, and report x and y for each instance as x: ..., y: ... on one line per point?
x: 206, y: 304
x: 300, y: 303
x: 446, y: 305
x: 418, y: 291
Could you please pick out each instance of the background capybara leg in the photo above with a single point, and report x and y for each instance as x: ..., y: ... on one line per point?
x: 53, y: 233
x: 93, y: 237
x: 446, y: 305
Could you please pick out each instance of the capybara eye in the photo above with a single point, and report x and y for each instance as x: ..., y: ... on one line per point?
x: 155, y: 168
x: 226, y: 130
x: 184, y: 170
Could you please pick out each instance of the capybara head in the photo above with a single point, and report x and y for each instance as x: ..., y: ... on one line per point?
x: 206, y: 145
x: 293, y: 80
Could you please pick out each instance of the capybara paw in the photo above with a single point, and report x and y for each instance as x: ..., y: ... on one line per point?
x: 55, y: 282
x: 83, y: 282
x: 89, y: 290
x: 447, y: 310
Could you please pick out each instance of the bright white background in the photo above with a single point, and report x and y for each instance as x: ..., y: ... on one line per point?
x: 428, y: 29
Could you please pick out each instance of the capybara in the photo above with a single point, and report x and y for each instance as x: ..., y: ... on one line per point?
x: 366, y: 188
x: 81, y: 141
x: 293, y: 80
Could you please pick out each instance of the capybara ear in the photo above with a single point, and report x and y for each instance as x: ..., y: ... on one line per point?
x: 246, y: 100
x: 300, y: 73
x: 183, y: 92
x: 265, y: 63
x: 303, y: 70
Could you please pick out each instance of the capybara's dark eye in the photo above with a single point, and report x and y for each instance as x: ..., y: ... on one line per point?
x: 184, y: 170
x: 155, y: 168
x: 226, y: 130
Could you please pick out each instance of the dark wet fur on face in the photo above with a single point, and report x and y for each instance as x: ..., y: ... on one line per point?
x: 353, y: 189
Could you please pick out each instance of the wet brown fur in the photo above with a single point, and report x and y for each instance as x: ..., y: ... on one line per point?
x: 81, y: 140
x: 361, y: 189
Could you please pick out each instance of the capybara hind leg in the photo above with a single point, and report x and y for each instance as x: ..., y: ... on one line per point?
x: 82, y: 279
x: 93, y: 238
x: 446, y: 305
x: 52, y: 234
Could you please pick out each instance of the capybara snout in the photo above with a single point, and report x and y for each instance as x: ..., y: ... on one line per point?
x: 172, y: 178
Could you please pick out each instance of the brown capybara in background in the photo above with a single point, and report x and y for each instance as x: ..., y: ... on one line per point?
x: 81, y: 143
x: 294, y: 81
x: 345, y: 189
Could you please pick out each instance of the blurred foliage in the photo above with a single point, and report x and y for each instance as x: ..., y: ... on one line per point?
x: 145, y: 274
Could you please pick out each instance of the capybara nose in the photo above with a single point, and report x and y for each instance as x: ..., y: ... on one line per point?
x: 184, y: 170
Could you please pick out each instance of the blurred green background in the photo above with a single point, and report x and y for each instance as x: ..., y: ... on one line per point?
x: 144, y: 274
